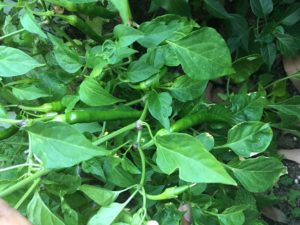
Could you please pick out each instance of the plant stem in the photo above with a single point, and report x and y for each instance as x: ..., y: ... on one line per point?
x: 12, y: 34
x: 17, y: 166
x: 297, y: 74
x: 114, y: 134
x: 23, y: 183
x: 10, y: 121
x: 27, y: 193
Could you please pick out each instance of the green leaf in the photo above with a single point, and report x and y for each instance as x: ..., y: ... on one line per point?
x: 140, y: 70
x: 168, y: 214
x: 290, y: 106
x: 115, y: 174
x: 3, y: 113
x: 166, y: 27
x: 160, y: 107
x: 244, y: 67
x: 107, y: 214
x: 287, y: 44
x: 249, y: 138
x: 8, y: 59
x: 92, y: 94
x: 268, y: 53
x: 29, y: 23
x: 292, y: 15
x: 231, y: 216
x: 239, y: 32
x: 39, y: 214
x: 126, y: 35
x: 124, y: 10
x: 206, y: 59
x: 66, y: 58
x: 215, y: 8
x: 186, y: 89
x: 247, y: 107
x: 59, y: 145
x: 261, y: 8
x: 101, y: 196
x: 258, y: 174
x: 30, y: 92
x: 179, y: 7
x: 207, y: 140
x: 186, y: 153
x: 82, y: 1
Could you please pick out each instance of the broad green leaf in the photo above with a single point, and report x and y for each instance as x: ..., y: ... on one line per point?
x: 258, y: 174
x: 239, y: 32
x: 39, y: 214
x: 231, y: 216
x: 186, y: 89
x: 207, y: 140
x: 107, y: 214
x: 82, y: 1
x: 30, y: 24
x: 126, y: 35
x: 70, y: 215
x: 66, y: 57
x: 8, y: 58
x: 93, y: 166
x: 160, y: 107
x: 140, y: 70
x: 101, y: 196
x: 59, y: 145
x: 292, y: 15
x: 166, y: 27
x: 244, y: 67
x: 289, y: 107
x: 268, y: 53
x: 215, y: 8
x: 179, y: 7
x: 261, y: 8
x: 168, y: 214
x: 114, y: 52
x: 124, y: 9
x: 203, y: 54
x: 249, y: 138
x: 186, y: 153
x: 92, y: 94
x: 62, y: 183
x: 30, y: 92
x: 3, y: 113
x: 287, y: 44
x: 115, y: 174
x: 247, y: 107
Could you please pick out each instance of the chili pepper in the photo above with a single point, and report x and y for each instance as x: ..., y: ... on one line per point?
x: 47, y: 107
x: 89, y: 9
x: 197, y: 118
x: 169, y: 193
x: 8, y: 132
x: 82, y: 26
x: 86, y: 116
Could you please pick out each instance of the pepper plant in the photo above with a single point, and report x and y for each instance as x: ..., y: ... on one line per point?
x: 105, y: 118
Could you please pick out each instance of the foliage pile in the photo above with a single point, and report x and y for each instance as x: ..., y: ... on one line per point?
x: 104, y: 117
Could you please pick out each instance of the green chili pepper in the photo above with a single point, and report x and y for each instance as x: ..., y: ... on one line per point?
x: 89, y: 9
x: 8, y: 132
x: 82, y: 26
x: 86, y: 116
x: 197, y: 118
x: 169, y: 193
x: 47, y: 107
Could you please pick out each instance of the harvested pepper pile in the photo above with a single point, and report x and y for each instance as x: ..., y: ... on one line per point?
x: 140, y: 113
